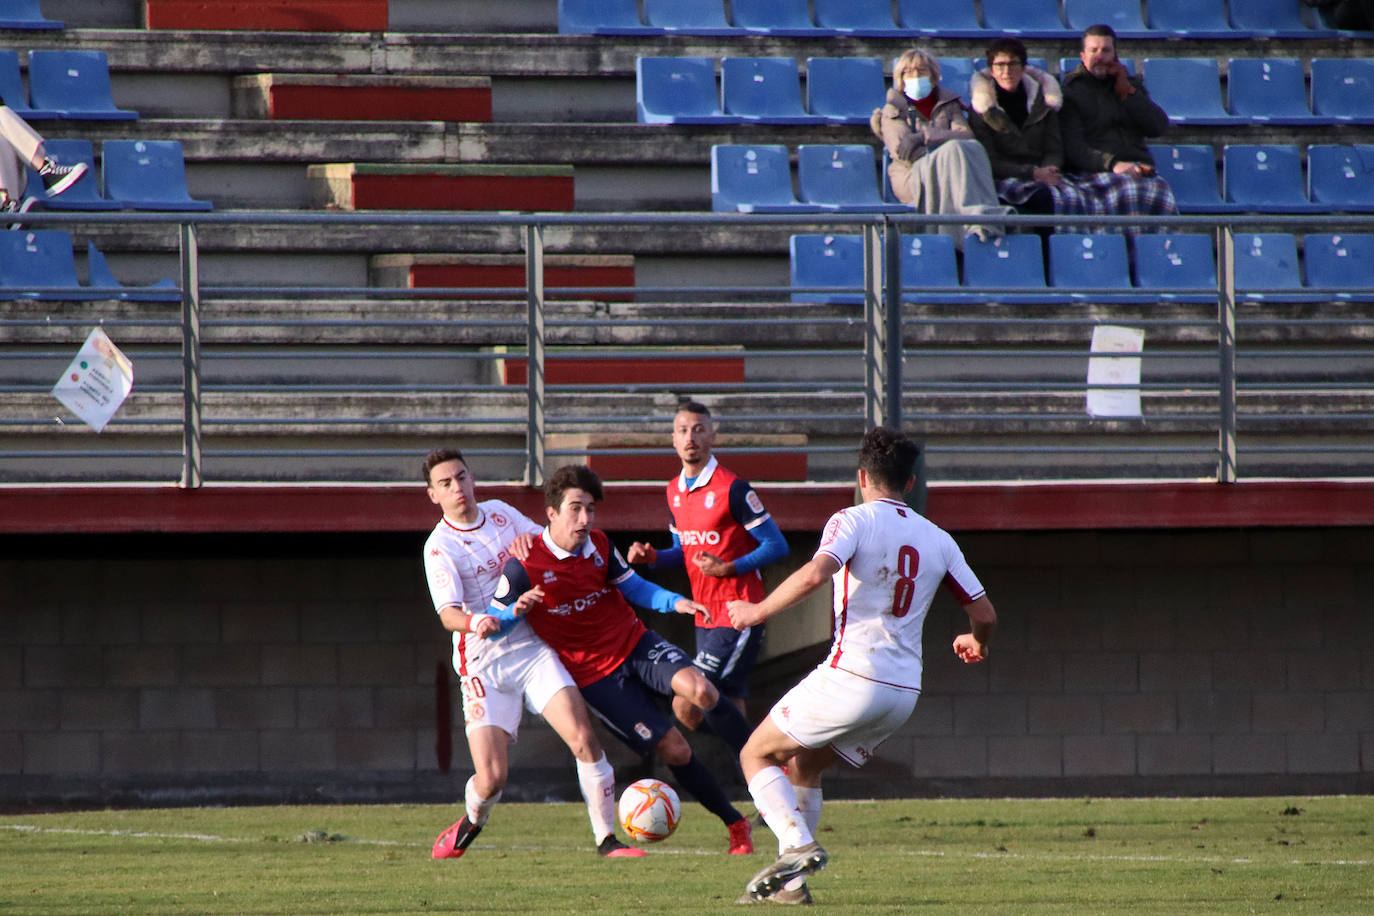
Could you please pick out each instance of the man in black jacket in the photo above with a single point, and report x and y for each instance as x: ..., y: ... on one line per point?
x: 1108, y: 114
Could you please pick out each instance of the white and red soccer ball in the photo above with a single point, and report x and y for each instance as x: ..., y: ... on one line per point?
x: 649, y: 810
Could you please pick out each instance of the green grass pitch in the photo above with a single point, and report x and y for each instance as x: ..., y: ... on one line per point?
x: 1013, y: 856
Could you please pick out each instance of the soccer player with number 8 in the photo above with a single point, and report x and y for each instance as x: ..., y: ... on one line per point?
x: 885, y: 562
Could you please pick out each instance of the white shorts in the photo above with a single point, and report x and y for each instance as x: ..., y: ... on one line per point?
x: 493, y: 695
x: 850, y: 713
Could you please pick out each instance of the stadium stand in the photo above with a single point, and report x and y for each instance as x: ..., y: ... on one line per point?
x: 1092, y: 267
x: 1267, y: 267
x: 15, y: 95
x: 1191, y: 170
x: 440, y: 186
x: 1176, y: 266
x: 76, y: 83
x: 842, y: 178
x: 844, y: 89
x: 678, y: 90
x: 867, y: 18
x: 25, y: 14
x: 1265, y: 178
x: 355, y: 97
x: 1188, y: 89
x: 601, y: 17
x: 1342, y: 262
x: 1013, y: 262
x: 1341, y: 178
x: 1270, y: 90
x: 940, y: 19
x: 1191, y: 19
x: 147, y: 175
x: 38, y: 264
x: 103, y: 282
x: 1343, y: 89
x: 763, y: 90
x: 1026, y: 18
x: 1124, y: 16
x: 778, y: 18
x: 1273, y: 19
x: 753, y: 179
x: 84, y: 194
x: 688, y: 17
x: 489, y: 273
x: 827, y: 268
x: 284, y: 15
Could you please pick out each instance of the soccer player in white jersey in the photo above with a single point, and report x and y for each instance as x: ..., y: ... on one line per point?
x: 885, y: 562
x: 498, y: 671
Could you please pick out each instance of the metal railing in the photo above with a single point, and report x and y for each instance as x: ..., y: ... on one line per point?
x: 874, y: 372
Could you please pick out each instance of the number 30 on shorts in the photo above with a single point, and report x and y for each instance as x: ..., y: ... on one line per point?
x: 908, y: 562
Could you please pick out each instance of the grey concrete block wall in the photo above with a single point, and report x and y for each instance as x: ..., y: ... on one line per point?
x: 226, y: 667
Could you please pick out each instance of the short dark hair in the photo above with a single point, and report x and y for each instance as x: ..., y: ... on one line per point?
x: 1013, y: 46
x: 692, y: 407
x: 888, y: 457
x: 1101, y: 30
x: 571, y: 477
x: 437, y: 457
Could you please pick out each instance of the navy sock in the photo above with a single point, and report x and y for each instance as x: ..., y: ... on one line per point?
x: 698, y: 780
x: 725, y: 720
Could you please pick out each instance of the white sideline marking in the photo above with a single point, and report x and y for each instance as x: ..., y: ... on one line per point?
x: 918, y: 853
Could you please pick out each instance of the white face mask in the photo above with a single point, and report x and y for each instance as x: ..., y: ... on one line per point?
x: 917, y: 87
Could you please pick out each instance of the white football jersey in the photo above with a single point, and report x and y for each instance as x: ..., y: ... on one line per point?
x: 892, y: 559
x: 463, y: 565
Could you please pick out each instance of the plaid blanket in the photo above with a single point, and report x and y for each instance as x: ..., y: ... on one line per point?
x: 1098, y: 194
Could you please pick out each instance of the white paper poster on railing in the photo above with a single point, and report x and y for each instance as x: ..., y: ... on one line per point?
x: 1115, y: 370
x: 96, y: 382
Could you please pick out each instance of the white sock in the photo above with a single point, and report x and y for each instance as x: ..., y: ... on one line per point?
x: 776, y: 801
x: 478, y: 808
x: 809, y: 803
x: 597, y: 781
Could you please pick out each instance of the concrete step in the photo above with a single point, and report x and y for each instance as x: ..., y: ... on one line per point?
x: 600, y: 366
x: 349, y: 97
x: 786, y: 459
x: 373, y: 186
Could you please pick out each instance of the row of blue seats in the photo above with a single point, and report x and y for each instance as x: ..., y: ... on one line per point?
x: 1255, y: 178
x: 40, y: 264
x: 62, y: 84
x: 135, y: 174
x: 1196, y: 19
x: 25, y: 14
x: 767, y: 90
x: 1178, y: 267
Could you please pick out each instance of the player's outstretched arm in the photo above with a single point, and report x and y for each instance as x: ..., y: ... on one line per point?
x: 641, y: 552
x: 643, y: 593
x: 794, y: 588
x: 972, y: 647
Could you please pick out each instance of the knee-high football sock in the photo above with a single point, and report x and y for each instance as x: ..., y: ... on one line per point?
x: 597, y: 781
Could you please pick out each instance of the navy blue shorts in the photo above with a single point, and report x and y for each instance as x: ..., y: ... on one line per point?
x: 726, y: 656
x: 623, y: 699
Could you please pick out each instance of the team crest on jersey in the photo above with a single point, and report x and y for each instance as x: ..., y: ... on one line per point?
x: 752, y: 500
x: 476, y: 712
x: 499, y: 519
x: 677, y: 499
x: 643, y: 731
x: 710, y: 500
x: 832, y: 528
x: 596, y: 559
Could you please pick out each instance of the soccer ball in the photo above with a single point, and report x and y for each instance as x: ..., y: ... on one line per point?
x: 649, y: 810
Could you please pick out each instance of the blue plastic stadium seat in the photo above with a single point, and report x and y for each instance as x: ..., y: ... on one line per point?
x: 1270, y: 91
x: 85, y: 193
x: 1188, y: 89
x: 1273, y: 19
x: 1342, y: 261
x: 1265, y: 178
x: 1267, y: 267
x: 1341, y: 178
x: 1191, y: 171
x: 955, y: 73
x: 1124, y: 16
x: 764, y: 90
x: 1026, y: 18
x: 687, y: 17
x: 929, y: 264
x: 1178, y: 266
x: 12, y: 90
x: 827, y: 261
x: 104, y: 285
x: 1013, y: 263
x: 774, y: 17
x: 1343, y: 89
x: 38, y: 264
x: 147, y: 175
x: 753, y: 179
x: 939, y: 19
x: 678, y: 90
x: 844, y: 88
x: 25, y: 14
x: 1095, y: 267
x: 1191, y: 18
x: 601, y: 17
x: 841, y: 177
x: 872, y: 18
x: 76, y: 83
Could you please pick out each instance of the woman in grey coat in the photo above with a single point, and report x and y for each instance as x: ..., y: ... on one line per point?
x: 936, y: 164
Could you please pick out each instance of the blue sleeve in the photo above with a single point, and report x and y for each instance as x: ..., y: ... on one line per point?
x: 669, y: 557
x: 515, y: 581
x: 772, y: 547
x: 642, y: 592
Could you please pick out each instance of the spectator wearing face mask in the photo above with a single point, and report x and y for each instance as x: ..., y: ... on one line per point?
x: 936, y: 164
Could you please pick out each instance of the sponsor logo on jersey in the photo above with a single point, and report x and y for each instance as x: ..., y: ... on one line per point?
x: 751, y: 499
x: 666, y: 651
x: 550, y: 576
x: 698, y: 538
x: 579, y: 605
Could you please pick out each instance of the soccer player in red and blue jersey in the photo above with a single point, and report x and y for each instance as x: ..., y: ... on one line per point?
x: 573, y: 589
x: 723, y: 536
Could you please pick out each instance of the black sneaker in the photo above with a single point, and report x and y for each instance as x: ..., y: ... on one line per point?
x: 611, y: 848
x: 58, y: 178
x: 454, y: 841
x: 17, y: 206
